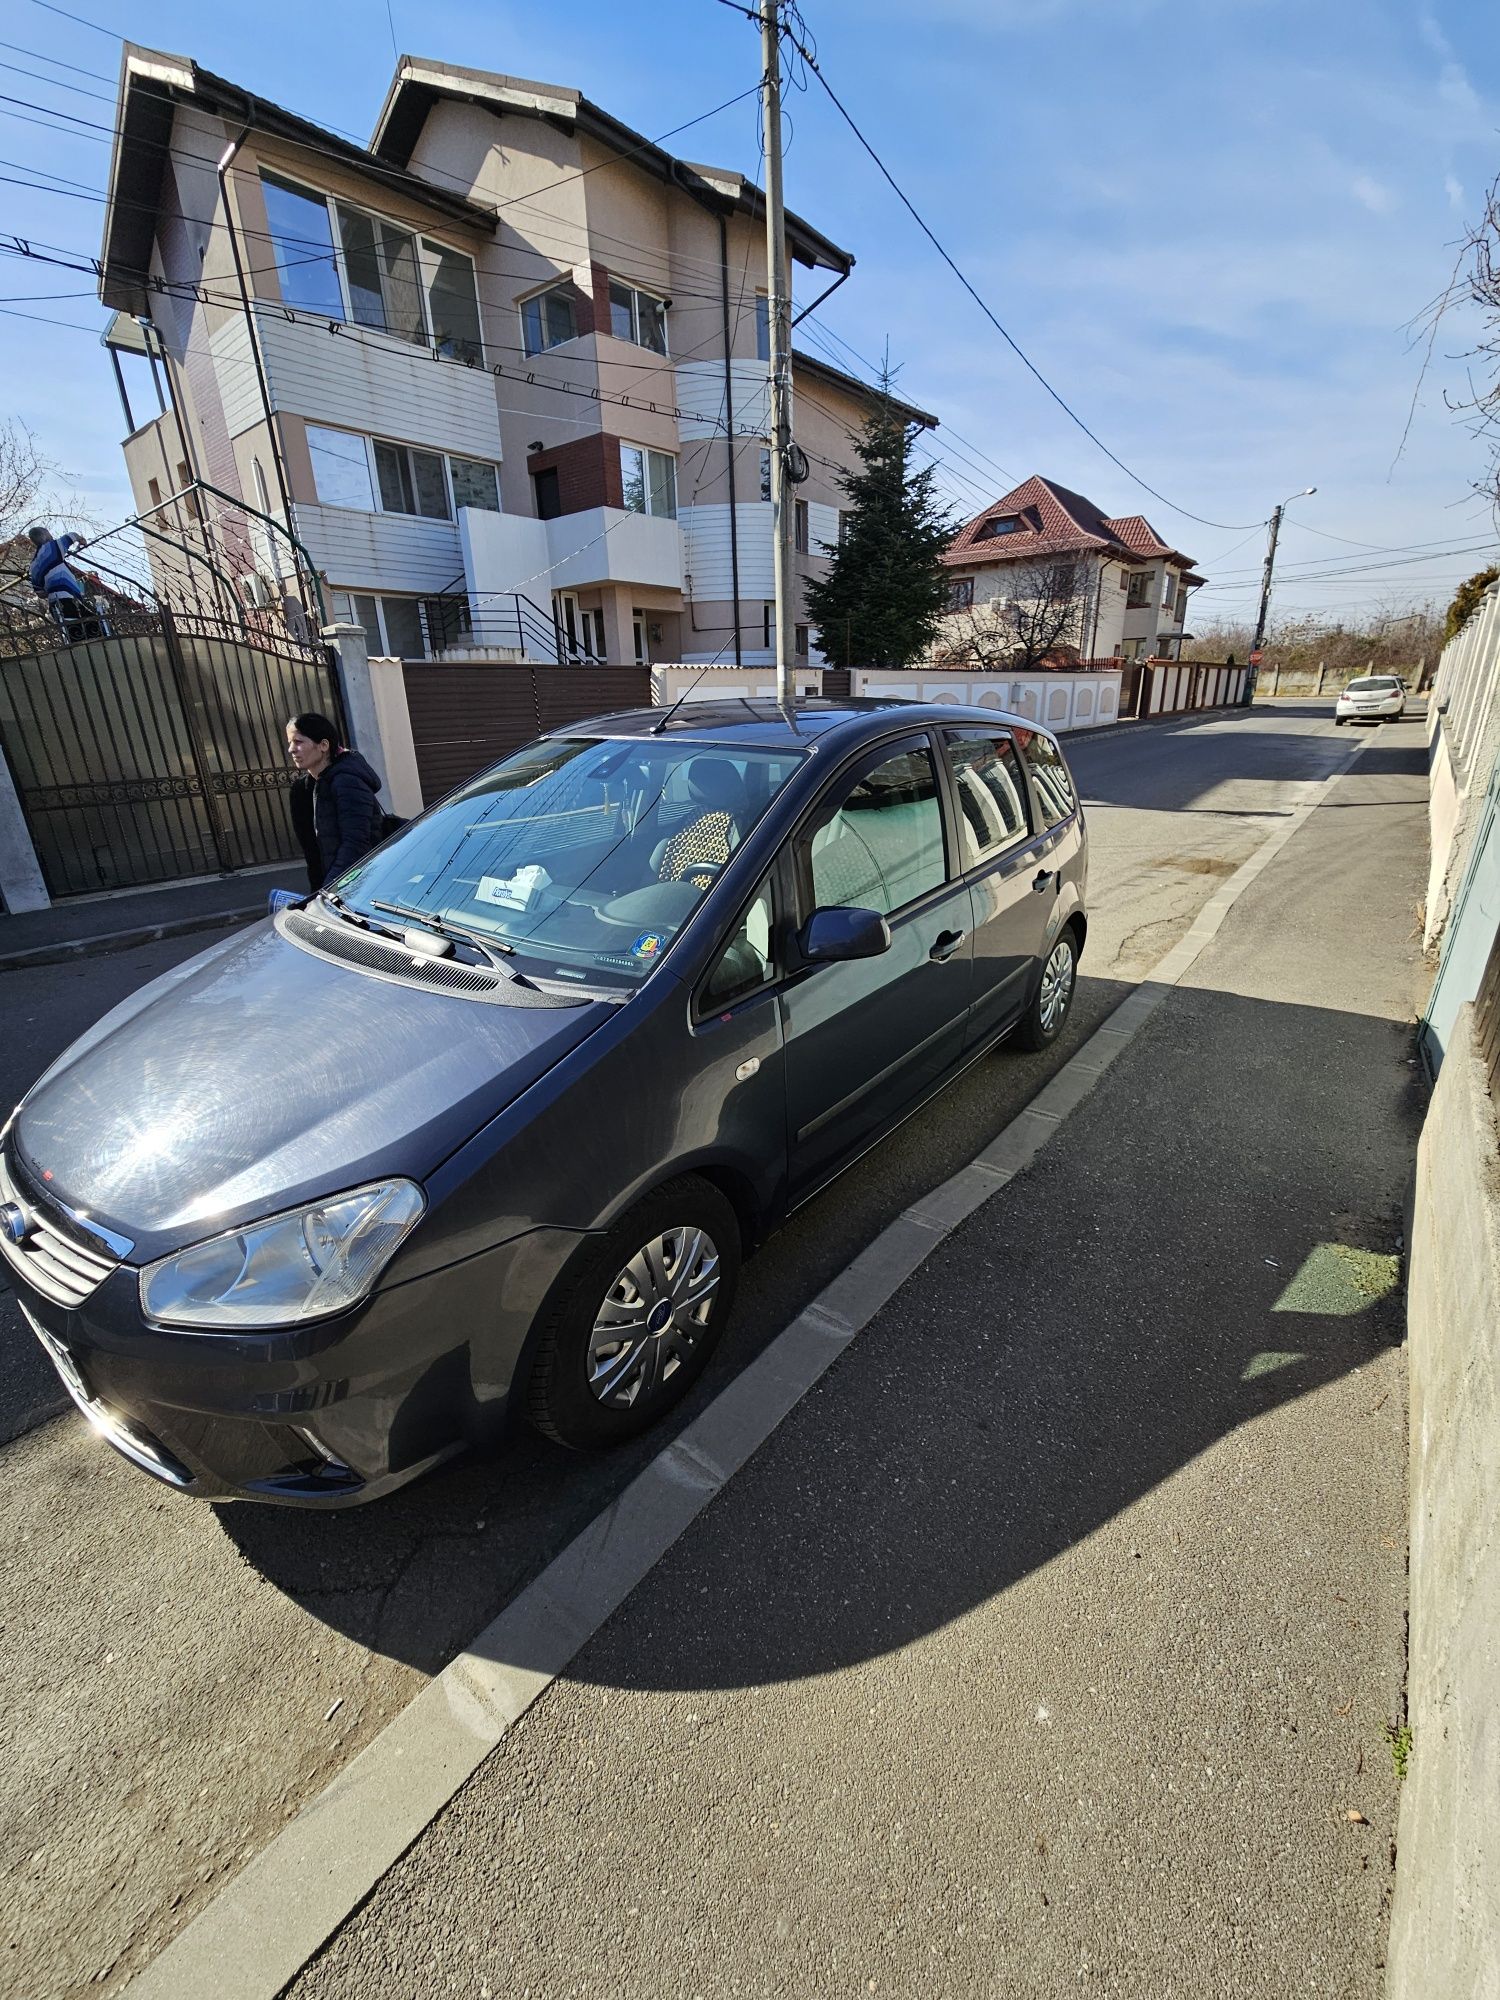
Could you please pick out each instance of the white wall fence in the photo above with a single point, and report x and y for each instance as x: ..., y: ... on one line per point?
x: 1463, y: 883
x: 1445, y: 1919
x: 1061, y: 700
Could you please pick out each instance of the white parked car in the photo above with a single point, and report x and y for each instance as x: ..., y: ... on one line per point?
x: 1375, y: 698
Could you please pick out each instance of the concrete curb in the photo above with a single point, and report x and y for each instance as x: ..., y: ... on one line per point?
x: 283, y: 1906
x: 110, y: 941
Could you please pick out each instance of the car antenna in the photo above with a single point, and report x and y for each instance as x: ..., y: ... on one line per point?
x: 657, y: 727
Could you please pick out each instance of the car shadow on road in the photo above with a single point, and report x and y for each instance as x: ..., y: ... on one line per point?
x: 1065, y: 1387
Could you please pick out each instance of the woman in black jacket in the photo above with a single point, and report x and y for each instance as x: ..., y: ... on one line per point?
x: 335, y: 812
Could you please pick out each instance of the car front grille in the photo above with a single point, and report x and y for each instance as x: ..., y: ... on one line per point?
x: 52, y: 1254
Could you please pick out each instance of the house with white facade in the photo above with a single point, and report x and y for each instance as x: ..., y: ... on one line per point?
x: 501, y: 374
x: 1127, y: 588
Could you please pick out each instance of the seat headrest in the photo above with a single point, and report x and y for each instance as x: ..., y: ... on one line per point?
x: 715, y: 784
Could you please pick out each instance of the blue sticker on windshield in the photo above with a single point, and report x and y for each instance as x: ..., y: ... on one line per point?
x: 647, y: 945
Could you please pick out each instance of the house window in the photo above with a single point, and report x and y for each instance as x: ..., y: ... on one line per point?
x: 649, y: 479
x: 341, y: 469
x: 1168, y: 590
x: 342, y: 263
x: 411, y: 482
x: 153, y: 487
x: 767, y: 614
x: 453, y: 304
x: 800, y: 528
x: 765, y: 475
x: 638, y: 317
x: 799, y: 641
x: 843, y: 524
x: 548, y: 489
x: 302, y: 241
x: 1140, y: 588
x: 961, y: 593
x: 762, y: 327
x: 380, y: 269
x: 1003, y: 524
x: 393, y: 626
x: 474, y: 484
x: 548, y: 320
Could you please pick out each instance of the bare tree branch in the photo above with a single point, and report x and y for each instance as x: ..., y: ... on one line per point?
x: 1045, y: 612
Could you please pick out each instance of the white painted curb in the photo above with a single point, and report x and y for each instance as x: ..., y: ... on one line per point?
x: 271, y: 1918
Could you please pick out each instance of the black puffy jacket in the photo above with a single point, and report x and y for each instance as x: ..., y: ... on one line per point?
x: 336, y: 816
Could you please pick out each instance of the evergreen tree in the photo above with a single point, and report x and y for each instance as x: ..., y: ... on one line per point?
x: 880, y: 603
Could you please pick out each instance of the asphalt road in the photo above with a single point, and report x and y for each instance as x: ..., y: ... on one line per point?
x: 175, y: 1680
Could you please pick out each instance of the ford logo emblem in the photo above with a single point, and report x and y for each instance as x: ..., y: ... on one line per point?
x: 13, y: 1222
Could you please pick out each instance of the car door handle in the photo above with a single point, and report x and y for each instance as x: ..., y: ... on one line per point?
x: 946, y: 943
x: 1041, y: 878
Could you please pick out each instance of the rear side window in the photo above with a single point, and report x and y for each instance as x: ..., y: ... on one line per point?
x: 991, y: 794
x: 1049, y: 774
x: 880, y: 845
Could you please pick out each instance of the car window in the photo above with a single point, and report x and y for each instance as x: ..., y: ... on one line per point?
x: 1054, y: 788
x: 991, y: 794
x: 879, y: 845
x: 1375, y: 686
x: 747, y: 960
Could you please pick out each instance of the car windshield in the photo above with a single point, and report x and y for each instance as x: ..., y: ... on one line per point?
x: 1378, y: 685
x: 580, y: 859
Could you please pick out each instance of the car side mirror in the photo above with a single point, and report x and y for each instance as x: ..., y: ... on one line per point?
x: 829, y: 935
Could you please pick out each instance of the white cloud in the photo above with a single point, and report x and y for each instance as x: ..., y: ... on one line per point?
x: 1454, y: 189
x: 1371, y: 194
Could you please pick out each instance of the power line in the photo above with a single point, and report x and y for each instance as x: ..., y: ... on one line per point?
x: 1231, y: 527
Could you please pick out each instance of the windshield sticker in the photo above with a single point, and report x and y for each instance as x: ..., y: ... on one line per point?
x: 647, y: 945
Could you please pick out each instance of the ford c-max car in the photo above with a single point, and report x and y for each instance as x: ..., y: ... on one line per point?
x: 488, y: 1124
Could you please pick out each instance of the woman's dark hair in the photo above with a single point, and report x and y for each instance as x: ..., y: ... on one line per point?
x: 316, y: 728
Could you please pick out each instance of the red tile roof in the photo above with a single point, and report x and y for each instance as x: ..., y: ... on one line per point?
x: 1054, y: 521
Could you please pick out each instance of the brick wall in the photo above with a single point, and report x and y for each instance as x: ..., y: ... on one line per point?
x: 588, y: 471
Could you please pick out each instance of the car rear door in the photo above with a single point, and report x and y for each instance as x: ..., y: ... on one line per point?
x: 1011, y: 882
x: 866, y: 1039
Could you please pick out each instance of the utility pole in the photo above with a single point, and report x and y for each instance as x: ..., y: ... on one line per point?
x: 1253, y: 673
x: 782, y: 496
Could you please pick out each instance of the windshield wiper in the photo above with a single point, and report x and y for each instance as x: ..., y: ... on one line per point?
x: 487, y: 947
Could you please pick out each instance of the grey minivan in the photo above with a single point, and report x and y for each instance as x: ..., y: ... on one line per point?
x: 488, y: 1124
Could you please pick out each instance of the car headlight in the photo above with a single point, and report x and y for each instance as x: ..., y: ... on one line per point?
x: 303, y: 1265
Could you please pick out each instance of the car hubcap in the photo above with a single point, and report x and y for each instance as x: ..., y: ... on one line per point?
x: 653, y: 1316
x: 1057, y: 985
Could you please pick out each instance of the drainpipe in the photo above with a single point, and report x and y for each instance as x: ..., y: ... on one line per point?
x: 225, y: 163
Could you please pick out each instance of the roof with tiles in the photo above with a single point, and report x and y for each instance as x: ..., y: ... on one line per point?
x: 1051, y: 520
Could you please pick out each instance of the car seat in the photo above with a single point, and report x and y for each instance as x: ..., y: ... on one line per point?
x: 708, y: 836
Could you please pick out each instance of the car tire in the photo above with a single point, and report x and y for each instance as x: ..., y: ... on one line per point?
x: 1046, y: 1017
x: 602, y: 1372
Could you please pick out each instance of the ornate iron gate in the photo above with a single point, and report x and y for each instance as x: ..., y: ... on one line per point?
x: 159, y: 750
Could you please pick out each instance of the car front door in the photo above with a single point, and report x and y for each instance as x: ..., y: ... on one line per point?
x: 865, y: 1039
x: 1011, y: 884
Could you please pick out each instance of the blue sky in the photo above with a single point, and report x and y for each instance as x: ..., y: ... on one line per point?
x: 1209, y: 224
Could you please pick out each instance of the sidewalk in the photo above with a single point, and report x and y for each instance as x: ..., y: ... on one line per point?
x: 120, y: 919
x: 1051, y: 1642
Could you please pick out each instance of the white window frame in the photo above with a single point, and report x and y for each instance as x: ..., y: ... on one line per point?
x: 648, y: 452
x: 637, y: 293
x: 426, y: 265
x: 564, y: 285
x: 444, y: 458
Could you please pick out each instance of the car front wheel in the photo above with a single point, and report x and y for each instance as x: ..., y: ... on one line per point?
x: 1043, y: 1020
x: 638, y: 1319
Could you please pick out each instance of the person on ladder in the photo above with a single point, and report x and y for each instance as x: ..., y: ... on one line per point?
x: 53, y: 580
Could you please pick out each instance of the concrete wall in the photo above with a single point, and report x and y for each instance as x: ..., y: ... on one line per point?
x: 1445, y: 1922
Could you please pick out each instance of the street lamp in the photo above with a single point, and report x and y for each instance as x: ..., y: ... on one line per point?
x: 1265, y: 592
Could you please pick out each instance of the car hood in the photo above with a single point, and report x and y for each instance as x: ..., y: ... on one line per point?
x: 259, y: 1076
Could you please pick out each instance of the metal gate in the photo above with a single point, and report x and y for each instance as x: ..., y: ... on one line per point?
x: 158, y: 751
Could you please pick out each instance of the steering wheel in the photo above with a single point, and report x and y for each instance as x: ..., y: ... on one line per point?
x: 702, y: 874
